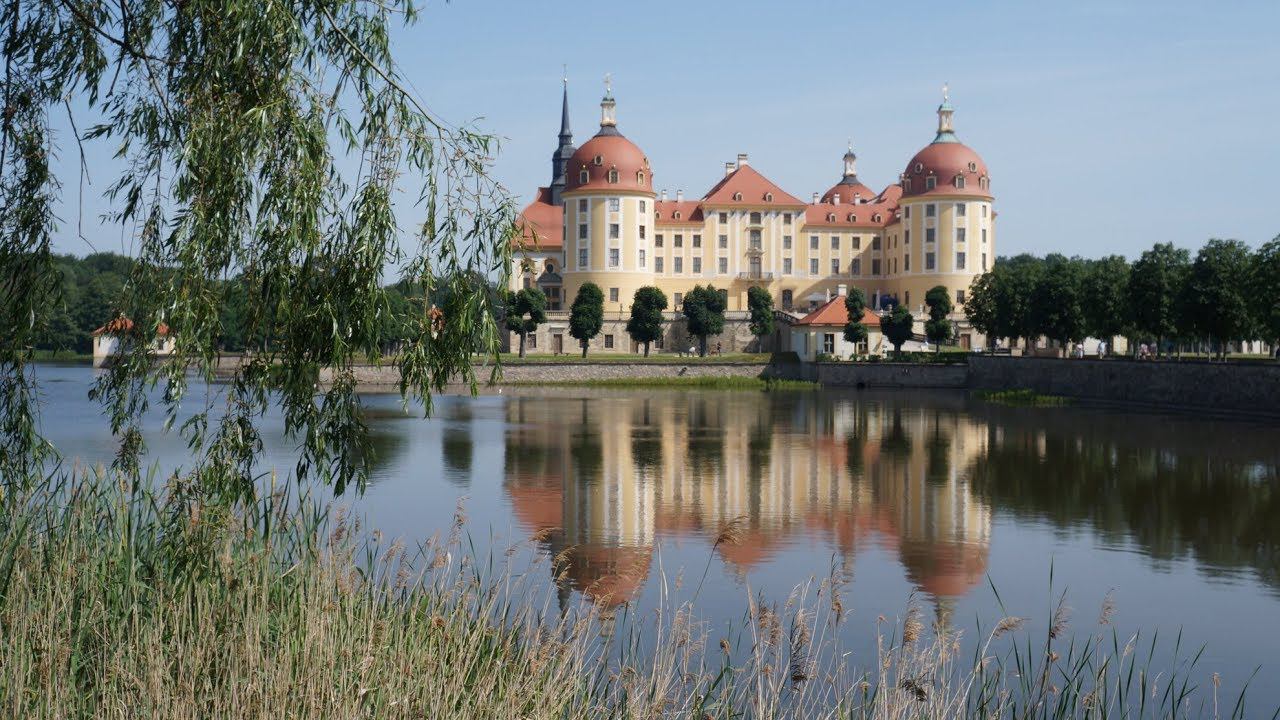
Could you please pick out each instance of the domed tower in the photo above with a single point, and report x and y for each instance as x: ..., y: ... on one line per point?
x: 608, y: 214
x: 947, y: 221
x: 850, y: 189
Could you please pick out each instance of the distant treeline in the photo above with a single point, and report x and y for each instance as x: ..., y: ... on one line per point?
x: 93, y: 289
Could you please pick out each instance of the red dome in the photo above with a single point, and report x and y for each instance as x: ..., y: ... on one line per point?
x: 847, y: 191
x: 614, y: 153
x: 945, y: 161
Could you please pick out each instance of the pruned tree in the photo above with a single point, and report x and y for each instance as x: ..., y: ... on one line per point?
x: 525, y: 310
x: 760, y: 305
x: 703, y: 310
x: 938, y: 327
x: 855, y: 306
x: 645, y: 324
x: 897, y: 325
x: 586, y: 316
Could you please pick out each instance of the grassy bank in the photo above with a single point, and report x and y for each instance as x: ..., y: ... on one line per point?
x: 119, y: 603
x: 60, y: 356
x: 706, y: 382
x: 1021, y: 398
x: 628, y: 358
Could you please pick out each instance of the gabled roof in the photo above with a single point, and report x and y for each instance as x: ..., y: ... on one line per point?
x: 833, y: 313
x: 690, y: 212
x: 122, y: 325
x: 753, y: 188
x: 541, y: 224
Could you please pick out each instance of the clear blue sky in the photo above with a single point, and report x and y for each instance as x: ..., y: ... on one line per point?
x: 1107, y: 126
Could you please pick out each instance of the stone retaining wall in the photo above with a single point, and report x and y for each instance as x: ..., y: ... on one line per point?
x: 891, y: 375
x: 568, y: 371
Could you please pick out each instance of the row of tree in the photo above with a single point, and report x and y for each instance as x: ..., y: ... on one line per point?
x: 703, y: 309
x: 1225, y: 294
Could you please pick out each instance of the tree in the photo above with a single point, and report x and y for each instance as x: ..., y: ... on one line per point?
x: 1264, y: 291
x: 234, y: 126
x: 586, y: 316
x: 524, y: 312
x: 1055, y: 301
x: 760, y: 304
x: 1103, y: 298
x: 898, y: 326
x: 704, y: 314
x: 999, y: 305
x: 1215, y: 299
x: 855, y: 306
x: 1155, y: 285
x: 645, y: 325
x: 938, y: 328
x: 981, y: 307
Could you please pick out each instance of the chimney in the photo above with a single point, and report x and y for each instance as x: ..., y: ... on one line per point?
x: 664, y: 195
x: 680, y: 196
x: 835, y: 199
x: 828, y: 291
x: 857, y: 198
x: 842, y: 289
x: 815, y: 198
x: 729, y: 168
x: 742, y: 160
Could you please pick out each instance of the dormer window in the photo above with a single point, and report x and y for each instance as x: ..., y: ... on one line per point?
x: 930, y: 182
x: 737, y: 197
x: 919, y: 167
x: 875, y: 218
x: 831, y: 217
x: 768, y: 197
x: 906, y: 185
x: 640, y: 177
x: 583, y: 177
x: 676, y: 215
x: 853, y: 218
x: 613, y: 175
x: 960, y: 182
x: 973, y: 166
x: 598, y: 160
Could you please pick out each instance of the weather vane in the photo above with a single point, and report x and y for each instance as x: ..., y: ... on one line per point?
x: 608, y: 83
x: 946, y: 92
x: 565, y: 73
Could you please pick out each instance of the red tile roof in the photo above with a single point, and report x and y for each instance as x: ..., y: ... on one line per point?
x: 833, y: 312
x: 615, y: 153
x: 122, y: 325
x: 541, y: 224
x: 690, y: 212
x: 884, y: 205
x: 753, y: 188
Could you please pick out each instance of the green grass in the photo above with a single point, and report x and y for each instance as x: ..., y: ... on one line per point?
x: 1021, y: 398
x: 628, y: 358
x: 61, y: 356
x: 119, y: 602
x: 680, y: 381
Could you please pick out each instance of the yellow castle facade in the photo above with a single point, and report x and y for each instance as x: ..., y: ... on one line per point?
x: 601, y: 221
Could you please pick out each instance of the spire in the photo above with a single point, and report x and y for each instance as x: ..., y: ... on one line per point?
x: 850, y: 162
x: 946, y: 131
x: 564, y: 151
x: 608, y: 114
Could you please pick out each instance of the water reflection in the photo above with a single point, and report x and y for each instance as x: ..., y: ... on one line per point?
x: 601, y: 480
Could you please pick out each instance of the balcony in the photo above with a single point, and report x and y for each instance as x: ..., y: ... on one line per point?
x: 756, y: 275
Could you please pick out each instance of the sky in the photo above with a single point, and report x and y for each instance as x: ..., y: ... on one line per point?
x: 1107, y: 126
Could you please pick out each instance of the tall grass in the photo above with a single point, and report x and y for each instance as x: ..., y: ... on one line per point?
x: 116, y: 601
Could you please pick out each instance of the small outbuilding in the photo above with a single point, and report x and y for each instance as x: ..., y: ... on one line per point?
x: 821, y: 332
x: 115, y: 338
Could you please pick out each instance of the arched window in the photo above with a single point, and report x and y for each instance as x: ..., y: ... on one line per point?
x: 906, y: 185
x: 550, y: 266
x: 640, y: 177
x: 831, y: 217
x: 676, y: 215
x: 613, y: 175
x: 737, y: 196
x: 598, y: 160
x: 768, y: 197
x: 875, y: 218
x: 583, y: 177
x: 973, y: 166
x: 853, y: 218
x: 960, y: 182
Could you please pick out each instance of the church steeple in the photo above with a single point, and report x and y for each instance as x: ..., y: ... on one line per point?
x: 560, y: 158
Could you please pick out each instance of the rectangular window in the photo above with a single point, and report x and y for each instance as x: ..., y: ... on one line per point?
x: 929, y: 234
x: 960, y: 297
x: 724, y: 266
x: 906, y: 299
x: 875, y: 242
x: 813, y: 266
x: 813, y: 242
x: 615, y: 231
x: 835, y: 242
x: 929, y: 262
x: 787, y: 299
x: 786, y: 218
x: 679, y: 265
x: 657, y: 264
x: 641, y: 232
x: 679, y: 300
x: 906, y: 237
x: 984, y: 235
x: 755, y: 218
x: 984, y: 262
x: 786, y: 242
x: 608, y: 342
x: 857, y: 242
x: 829, y: 343
x: 908, y: 211
x: 906, y: 262
x: 582, y: 231
x: 657, y: 240
x: 679, y: 241
x: 697, y: 265
x: 643, y: 207
x: 642, y: 258
x: 856, y: 267
x: 613, y: 294
x: 930, y: 210
x: 755, y: 240
x: 835, y: 266
x: 615, y: 204
x: 697, y: 241
x: 984, y: 211
x: 959, y: 235
x: 930, y: 183
x: 614, y: 257
x: 786, y: 266
x: 724, y: 218
x: 960, y: 261
x: 532, y: 341
x: 582, y: 259
x: 724, y: 242
x: 960, y: 209
x: 875, y: 266
x: 582, y: 205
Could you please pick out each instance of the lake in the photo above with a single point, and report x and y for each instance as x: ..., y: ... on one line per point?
x: 935, y: 495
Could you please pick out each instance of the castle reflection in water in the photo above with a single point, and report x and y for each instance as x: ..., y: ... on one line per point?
x: 605, y: 480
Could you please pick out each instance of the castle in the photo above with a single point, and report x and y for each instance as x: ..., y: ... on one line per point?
x: 601, y: 221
